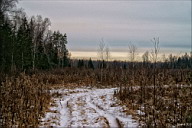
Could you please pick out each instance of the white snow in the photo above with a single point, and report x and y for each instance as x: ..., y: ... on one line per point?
x: 85, y: 107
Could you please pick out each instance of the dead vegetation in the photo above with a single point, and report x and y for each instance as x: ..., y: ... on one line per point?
x: 26, y: 97
x: 24, y: 100
x: 164, y: 99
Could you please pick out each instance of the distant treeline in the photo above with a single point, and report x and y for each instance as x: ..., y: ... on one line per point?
x: 172, y: 62
x: 28, y: 43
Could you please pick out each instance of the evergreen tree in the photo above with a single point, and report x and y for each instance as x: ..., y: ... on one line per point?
x: 26, y: 45
x: 80, y: 64
x: 6, y: 45
x: 23, y: 50
x: 65, y: 51
x: 90, y: 64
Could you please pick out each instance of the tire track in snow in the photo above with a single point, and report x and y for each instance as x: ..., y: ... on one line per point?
x: 112, y: 120
x: 85, y: 108
x: 120, y: 119
x: 64, y: 112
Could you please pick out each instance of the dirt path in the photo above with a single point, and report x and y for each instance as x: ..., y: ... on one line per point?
x: 87, y: 108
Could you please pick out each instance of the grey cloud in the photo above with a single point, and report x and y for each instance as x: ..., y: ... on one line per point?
x: 118, y: 22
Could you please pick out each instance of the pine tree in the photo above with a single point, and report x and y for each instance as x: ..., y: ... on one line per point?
x: 90, y: 64
x: 23, y: 50
x: 80, y: 64
x: 5, y: 48
x: 26, y: 45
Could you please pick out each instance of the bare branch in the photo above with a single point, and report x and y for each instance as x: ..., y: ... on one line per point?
x: 101, y: 49
x: 107, y: 53
x: 155, y: 51
x: 132, y: 51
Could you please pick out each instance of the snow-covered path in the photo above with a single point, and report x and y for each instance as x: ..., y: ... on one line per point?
x: 85, y: 107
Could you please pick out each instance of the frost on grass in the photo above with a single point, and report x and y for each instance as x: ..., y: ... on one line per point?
x: 84, y: 107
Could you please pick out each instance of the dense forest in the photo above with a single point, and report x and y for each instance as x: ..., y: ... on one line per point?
x: 34, y: 59
x: 28, y: 43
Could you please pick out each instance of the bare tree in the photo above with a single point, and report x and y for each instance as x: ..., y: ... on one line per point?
x: 7, y: 5
x: 47, y: 39
x: 145, y: 56
x: 40, y: 27
x: 132, y: 51
x: 163, y: 58
x: 101, y: 49
x: 107, y: 53
x: 154, y: 55
x: 155, y: 51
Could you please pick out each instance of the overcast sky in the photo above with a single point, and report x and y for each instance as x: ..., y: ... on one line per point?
x: 86, y: 22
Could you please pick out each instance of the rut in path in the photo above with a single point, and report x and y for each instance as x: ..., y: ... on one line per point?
x: 87, y: 108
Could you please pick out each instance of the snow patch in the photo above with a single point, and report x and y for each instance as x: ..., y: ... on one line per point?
x: 85, y: 107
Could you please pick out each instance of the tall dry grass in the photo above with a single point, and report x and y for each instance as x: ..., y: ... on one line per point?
x: 23, y: 99
x: 169, y: 106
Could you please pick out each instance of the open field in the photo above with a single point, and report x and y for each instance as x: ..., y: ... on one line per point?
x: 112, y: 63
